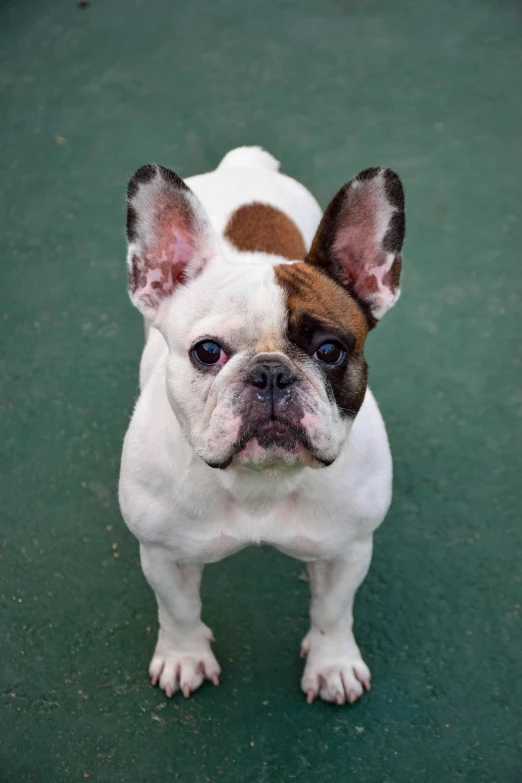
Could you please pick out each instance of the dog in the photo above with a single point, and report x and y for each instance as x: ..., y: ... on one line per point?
x: 255, y: 424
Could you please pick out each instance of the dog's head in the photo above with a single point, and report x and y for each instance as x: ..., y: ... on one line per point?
x: 265, y: 365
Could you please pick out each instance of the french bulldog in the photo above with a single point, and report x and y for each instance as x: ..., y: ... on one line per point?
x: 255, y: 424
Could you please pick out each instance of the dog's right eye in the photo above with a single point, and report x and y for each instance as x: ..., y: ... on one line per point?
x: 208, y: 352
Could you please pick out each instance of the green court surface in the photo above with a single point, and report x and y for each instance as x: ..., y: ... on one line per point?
x: 432, y: 89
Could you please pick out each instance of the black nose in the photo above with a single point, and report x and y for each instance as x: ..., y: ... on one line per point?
x: 271, y: 376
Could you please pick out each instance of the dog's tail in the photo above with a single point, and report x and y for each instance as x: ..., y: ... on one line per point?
x: 249, y: 156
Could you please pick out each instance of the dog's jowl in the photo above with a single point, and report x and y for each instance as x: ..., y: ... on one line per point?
x: 255, y: 422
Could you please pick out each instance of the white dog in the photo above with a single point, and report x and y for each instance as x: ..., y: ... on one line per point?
x: 255, y: 424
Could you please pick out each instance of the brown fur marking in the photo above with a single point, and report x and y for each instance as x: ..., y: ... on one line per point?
x: 321, y: 310
x: 260, y: 227
x: 309, y: 291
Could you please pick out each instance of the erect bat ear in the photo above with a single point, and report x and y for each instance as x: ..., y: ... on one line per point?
x: 360, y: 237
x: 169, y: 236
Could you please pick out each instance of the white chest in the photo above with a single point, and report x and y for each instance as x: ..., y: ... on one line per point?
x: 296, y: 526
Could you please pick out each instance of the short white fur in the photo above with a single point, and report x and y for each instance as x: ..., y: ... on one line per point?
x: 185, y: 513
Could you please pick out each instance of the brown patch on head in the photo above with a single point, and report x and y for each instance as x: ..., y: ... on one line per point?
x: 320, y: 310
x: 261, y: 228
x: 309, y: 291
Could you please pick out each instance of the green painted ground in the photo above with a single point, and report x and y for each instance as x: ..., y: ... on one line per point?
x: 433, y: 90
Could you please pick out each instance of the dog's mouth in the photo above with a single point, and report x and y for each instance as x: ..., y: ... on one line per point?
x: 273, y: 434
x: 272, y: 444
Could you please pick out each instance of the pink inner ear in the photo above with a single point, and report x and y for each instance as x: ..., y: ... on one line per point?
x: 358, y: 247
x: 163, y: 265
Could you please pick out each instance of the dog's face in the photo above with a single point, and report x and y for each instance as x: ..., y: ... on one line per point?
x: 266, y: 365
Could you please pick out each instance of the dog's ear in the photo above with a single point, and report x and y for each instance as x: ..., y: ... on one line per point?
x: 169, y: 236
x: 360, y: 237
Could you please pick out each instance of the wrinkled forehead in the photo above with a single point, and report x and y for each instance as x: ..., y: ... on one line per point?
x: 243, y: 304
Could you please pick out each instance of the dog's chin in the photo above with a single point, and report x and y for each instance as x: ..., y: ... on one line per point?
x: 274, y: 458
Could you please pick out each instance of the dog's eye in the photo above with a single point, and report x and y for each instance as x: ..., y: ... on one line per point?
x: 330, y: 353
x: 208, y: 352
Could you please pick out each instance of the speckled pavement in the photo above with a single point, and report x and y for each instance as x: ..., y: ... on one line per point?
x: 87, y: 95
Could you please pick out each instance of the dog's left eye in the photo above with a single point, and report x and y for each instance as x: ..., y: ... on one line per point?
x: 208, y: 352
x: 330, y: 353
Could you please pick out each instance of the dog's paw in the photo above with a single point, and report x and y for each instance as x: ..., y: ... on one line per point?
x: 334, y: 669
x: 183, y: 668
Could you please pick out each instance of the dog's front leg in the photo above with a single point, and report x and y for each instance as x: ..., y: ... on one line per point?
x: 334, y: 669
x: 182, y: 658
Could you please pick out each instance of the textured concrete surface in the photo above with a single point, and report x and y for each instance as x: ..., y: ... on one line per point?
x: 432, y: 89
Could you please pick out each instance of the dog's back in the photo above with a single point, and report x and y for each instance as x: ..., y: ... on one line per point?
x: 249, y: 177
